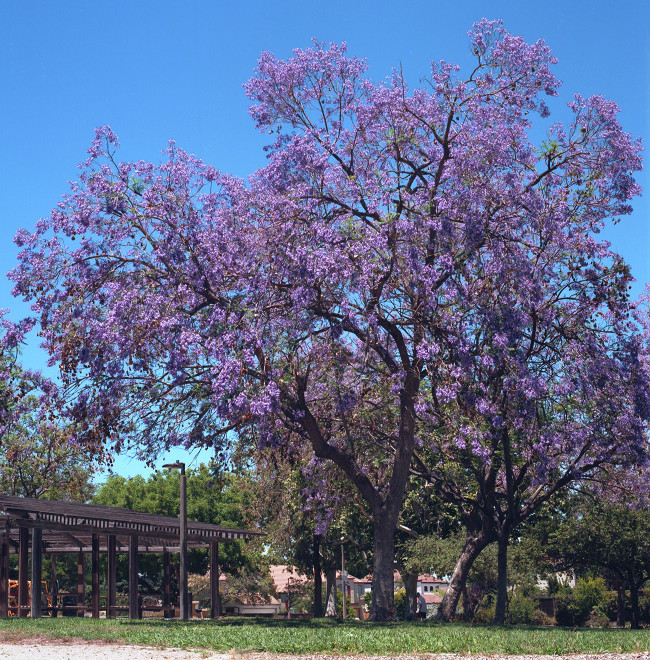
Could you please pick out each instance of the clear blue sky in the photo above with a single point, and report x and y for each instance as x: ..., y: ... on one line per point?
x: 162, y: 69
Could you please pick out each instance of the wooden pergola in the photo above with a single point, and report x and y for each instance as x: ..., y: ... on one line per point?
x: 47, y: 527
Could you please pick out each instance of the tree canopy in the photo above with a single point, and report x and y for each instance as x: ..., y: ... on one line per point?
x: 607, y: 537
x: 212, y: 497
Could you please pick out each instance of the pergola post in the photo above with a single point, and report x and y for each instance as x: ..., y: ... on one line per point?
x: 81, y: 584
x: 215, y: 606
x: 55, y: 585
x: 168, y: 612
x: 111, y: 577
x: 4, y: 573
x: 134, y: 609
x: 80, y: 529
x: 23, y: 578
x: 37, y: 572
x: 95, y: 576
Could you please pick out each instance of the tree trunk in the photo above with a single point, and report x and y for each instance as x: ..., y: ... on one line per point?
x: 471, y: 550
x: 330, y: 579
x: 385, y: 506
x: 411, y: 588
x: 634, y: 603
x: 620, y: 603
x: 318, y: 581
x: 383, y: 584
x: 502, y: 580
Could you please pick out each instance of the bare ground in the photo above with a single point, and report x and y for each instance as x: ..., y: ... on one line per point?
x: 42, y: 648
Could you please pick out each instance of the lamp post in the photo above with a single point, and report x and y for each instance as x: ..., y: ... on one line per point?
x: 183, y: 553
x: 343, y: 577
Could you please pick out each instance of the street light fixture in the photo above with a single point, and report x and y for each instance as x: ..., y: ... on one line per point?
x: 344, y: 575
x: 183, y: 520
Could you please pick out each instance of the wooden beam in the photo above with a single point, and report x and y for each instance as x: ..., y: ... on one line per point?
x: 167, y: 595
x: 4, y: 573
x: 95, y: 577
x: 111, y: 577
x: 215, y: 606
x: 81, y: 584
x: 23, y: 577
x: 134, y: 609
x: 37, y: 572
x: 55, y: 584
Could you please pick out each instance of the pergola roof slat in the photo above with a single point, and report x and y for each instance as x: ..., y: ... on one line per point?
x: 63, y: 521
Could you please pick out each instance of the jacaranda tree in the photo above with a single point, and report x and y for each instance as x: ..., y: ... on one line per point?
x: 356, y: 294
x: 505, y: 452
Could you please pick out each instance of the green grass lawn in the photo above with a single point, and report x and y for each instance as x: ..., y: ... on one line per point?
x: 333, y: 637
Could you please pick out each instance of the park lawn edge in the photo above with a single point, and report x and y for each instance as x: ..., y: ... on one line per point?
x: 331, y: 637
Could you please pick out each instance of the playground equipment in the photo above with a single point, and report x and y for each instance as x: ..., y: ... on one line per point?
x: 13, y: 596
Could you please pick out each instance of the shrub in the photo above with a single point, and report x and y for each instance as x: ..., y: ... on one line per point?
x: 597, y: 620
x: 644, y: 605
x: 566, y: 611
x: 590, y: 595
x: 521, y: 608
x: 484, y: 615
x: 573, y: 608
x: 540, y: 618
x: 400, y: 604
x: 350, y: 612
x: 611, y: 605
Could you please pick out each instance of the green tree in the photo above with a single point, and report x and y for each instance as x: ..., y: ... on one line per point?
x: 438, y: 555
x: 212, y: 496
x: 40, y: 456
x: 609, y: 537
x: 304, y: 528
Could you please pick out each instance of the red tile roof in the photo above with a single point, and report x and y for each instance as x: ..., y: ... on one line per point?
x: 283, y: 575
x: 432, y: 599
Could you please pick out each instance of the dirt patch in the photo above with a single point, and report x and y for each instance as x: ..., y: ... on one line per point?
x: 14, y: 647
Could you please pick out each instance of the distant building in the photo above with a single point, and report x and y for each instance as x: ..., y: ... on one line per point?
x: 287, y: 577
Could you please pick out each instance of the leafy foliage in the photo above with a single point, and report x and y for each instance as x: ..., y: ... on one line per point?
x: 602, y: 536
x: 212, y: 496
x: 40, y: 456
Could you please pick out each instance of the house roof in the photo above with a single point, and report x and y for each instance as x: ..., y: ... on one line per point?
x: 69, y: 527
x: 425, y: 578
x: 364, y: 580
x: 432, y: 599
x: 430, y: 579
x: 283, y: 575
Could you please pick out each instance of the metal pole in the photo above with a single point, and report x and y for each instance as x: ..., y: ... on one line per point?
x: 345, y: 612
x: 183, y: 585
x: 183, y: 534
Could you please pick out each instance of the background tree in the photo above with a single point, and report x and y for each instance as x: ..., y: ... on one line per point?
x: 439, y: 554
x: 423, y: 516
x: 40, y: 456
x: 304, y: 527
x: 398, y: 244
x: 601, y: 536
x: 213, y: 497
